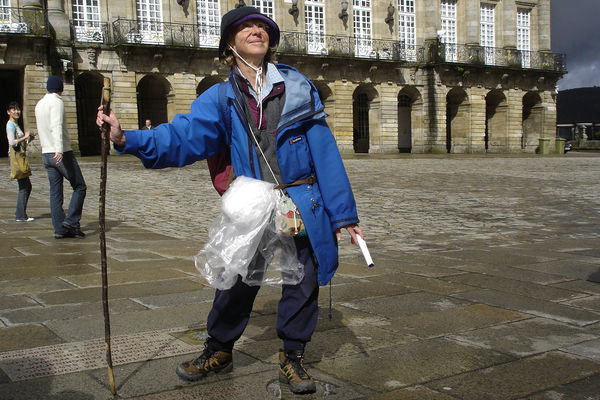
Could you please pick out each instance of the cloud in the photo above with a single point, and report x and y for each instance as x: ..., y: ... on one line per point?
x: 574, y: 25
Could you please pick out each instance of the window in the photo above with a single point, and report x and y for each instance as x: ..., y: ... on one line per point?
x: 209, y: 21
x: 407, y: 28
x: 10, y: 19
x: 362, y: 28
x: 487, y: 32
x: 264, y: 6
x: 523, y: 34
x: 149, y: 16
x: 448, y: 14
x: 86, y: 20
x: 314, y: 17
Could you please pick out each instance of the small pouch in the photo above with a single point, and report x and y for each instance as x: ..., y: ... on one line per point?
x: 288, y: 221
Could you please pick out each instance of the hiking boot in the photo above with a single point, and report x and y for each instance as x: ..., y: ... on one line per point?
x: 292, y: 372
x: 217, y: 361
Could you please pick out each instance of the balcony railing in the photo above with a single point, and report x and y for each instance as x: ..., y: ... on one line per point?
x: 92, y: 32
x: 165, y: 33
x: 27, y: 20
x: 348, y: 46
x: 501, y: 57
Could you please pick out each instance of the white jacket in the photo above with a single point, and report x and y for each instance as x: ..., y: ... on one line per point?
x: 51, y: 126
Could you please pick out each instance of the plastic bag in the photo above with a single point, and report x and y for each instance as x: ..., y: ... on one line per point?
x: 243, y: 240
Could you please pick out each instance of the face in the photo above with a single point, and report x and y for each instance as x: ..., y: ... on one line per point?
x: 251, y: 39
x: 14, y: 113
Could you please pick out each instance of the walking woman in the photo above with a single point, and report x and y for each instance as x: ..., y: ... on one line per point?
x: 17, y: 148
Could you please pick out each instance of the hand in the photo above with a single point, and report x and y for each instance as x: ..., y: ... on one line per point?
x: 26, y: 136
x: 116, y: 133
x: 353, y: 230
x: 31, y: 135
x: 58, y: 157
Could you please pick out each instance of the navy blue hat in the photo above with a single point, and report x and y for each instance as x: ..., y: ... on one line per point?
x: 233, y: 18
x: 54, y: 84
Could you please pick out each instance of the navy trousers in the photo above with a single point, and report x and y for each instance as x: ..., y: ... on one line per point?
x: 296, y: 315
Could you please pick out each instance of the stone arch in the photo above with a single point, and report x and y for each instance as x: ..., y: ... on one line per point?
x: 409, y: 117
x: 532, y: 121
x: 88, y: 91
x: 458, y: 121
x: 496, y: 122
x: 328, y: 100
x: 365, y: 121
x: 153, y: 92
x: 206, y: 83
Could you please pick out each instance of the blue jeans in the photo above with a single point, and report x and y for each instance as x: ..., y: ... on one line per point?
x: 69, y: 169
x: 23, y: 198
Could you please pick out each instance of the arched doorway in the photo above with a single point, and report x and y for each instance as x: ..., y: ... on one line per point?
x: 404, y: 123
x: 152, y: 92
x: 532, y: 120
x: 496, y: 112
x: 12, y: 90
x: 362, y: 110
x: 327, y: 98
x: 206, y: 83
x: 458, y: 119
x: 88, y: 91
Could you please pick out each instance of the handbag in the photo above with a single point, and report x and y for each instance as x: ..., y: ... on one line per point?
x: 19, y: 164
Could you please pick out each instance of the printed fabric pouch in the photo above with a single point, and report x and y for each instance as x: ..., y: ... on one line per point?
x: 288, y: 221
x: 19, y: 164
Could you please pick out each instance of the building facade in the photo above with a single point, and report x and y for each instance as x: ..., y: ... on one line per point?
x: 420, y: 76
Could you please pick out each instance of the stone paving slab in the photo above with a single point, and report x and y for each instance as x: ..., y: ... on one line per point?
x: 589, y: 302
x: 518, y: 274
x: 518, y: 378
x: 408, y: 304
x: 589, y: 349
x: 464, y: 318
x: 542, y: 292
x: 410, y: 364
x: 584, y: 389
x: 526, y: 338
x: 26, y: 336
x: 571, y: 269
x: 528, y: 305
x: 426, y: 284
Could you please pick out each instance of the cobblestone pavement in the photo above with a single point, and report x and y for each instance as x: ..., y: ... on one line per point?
x: 485, y: 286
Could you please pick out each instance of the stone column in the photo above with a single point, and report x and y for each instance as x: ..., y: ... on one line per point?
x: 509, y: 28
x: 58, y: 20
x: 543, y: 24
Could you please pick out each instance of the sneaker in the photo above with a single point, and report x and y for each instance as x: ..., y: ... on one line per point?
x: 217, y: 361
x: 293, y: 373
x: 28, y: 219
x: 73, y: 230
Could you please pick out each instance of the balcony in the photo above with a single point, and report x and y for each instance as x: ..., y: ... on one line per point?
x: 126, y: 31
x: 499, y: 57
x: 91, y: 32
x: 301, y: 43
x: 24, y: 21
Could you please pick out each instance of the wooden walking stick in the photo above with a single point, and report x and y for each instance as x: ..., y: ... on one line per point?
x: 104, y: 148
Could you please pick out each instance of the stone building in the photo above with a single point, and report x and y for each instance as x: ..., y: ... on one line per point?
x: 420, y: 76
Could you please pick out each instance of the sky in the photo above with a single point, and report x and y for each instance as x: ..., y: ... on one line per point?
x: 575, y: 31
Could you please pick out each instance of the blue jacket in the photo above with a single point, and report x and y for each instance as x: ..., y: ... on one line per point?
x: 305, y: 147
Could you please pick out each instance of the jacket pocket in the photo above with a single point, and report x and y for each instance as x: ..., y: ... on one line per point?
x: 296, y: 157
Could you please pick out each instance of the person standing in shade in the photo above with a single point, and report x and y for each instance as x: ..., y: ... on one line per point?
x: 59, y: 161
x: 147, y: 125
x: 18, y: 141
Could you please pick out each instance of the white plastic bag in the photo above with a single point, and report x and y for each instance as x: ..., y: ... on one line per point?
x: 243, y: 235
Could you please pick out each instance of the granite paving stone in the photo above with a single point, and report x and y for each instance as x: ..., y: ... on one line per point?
x: 519, y: 378
x: 15, y: 301
x: 34, y: 285
x: 26, y: 336
x: 426, y: 284
x: 589, y: 349
x: 579, y: 285
x: 584, y: 389
x: 416, y: 392
x: 589, y: 302
x: 410, y: 364
x: 465, y: 318
x: 568, y: 268
x: 525, y: 338
x: 518, y: 274
x: 517, y: 287
x: 408, y: 304
x: 528, y: 305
